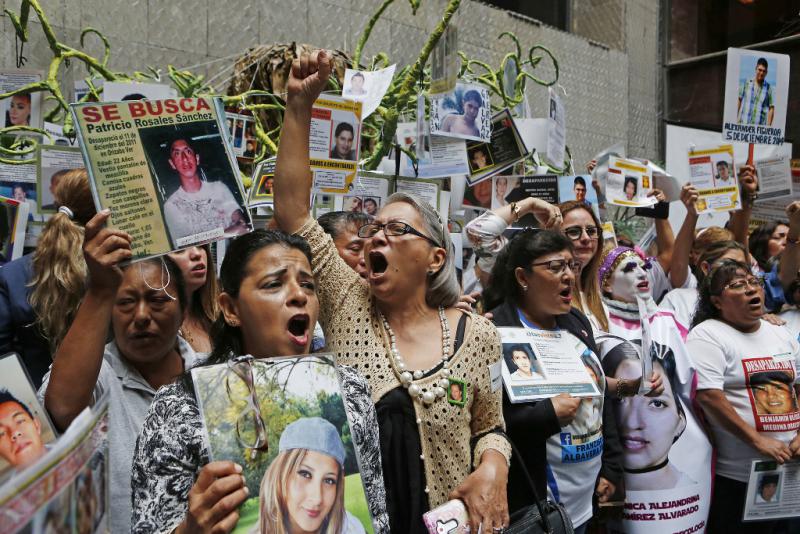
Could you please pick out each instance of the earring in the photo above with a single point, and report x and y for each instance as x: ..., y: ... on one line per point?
x: 430, y: 273
x: 233, y: 322
x: 525, y: 288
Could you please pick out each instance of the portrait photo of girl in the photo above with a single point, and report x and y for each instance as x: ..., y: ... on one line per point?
x: 303, y: 489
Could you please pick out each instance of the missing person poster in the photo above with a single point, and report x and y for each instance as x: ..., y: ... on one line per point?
x: 334, y: 142
x: 23, y: 109
x: 440, y: 157
x: 241, y: 127
x: 557, y: 132
x: 13, y: 225
x: 770, y: 388
x: 464, y: 114
x: 628, y: 183
x: 774, y: 177
x: 21, y: 410
x: 369, y: 193
x: 665, y: 453
x: 712, y: 172
x: 269, y: 416
x: 539, y: 364
x: 367, y: 87
x: 165, y: 169
x: 578, y: 188
x: 773, y: 491
x: 504, y: 150
x: 261, y: 193
x: 54, y: 163
x: 427, y: 190
x: 775, y: 210
x: 756, y: 97
x: 66, y: 490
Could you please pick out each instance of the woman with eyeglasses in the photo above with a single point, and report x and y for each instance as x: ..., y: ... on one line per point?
x: 402, y: 332
x: 268, y: 307
x: 535, y: 276
x: 746, y: 386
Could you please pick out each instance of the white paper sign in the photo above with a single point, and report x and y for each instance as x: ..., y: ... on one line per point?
x: 557, y: 132
x: 440, y: 157
x: 628, y: 183
x: 773, y: 491
x: 712, y: 172
x: 367, y: 87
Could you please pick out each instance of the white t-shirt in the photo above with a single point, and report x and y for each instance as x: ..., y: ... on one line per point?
x: 756, y: 372
x: 792, y: 318
x: 209, y: 208
x: 682, y: 302
x: 660, y: 283
x: 574, y: 455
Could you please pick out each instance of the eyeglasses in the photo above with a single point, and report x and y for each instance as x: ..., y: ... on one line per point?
x: 631, y: 265
x: 559, y: 266
x: 742, y: 284
x: 394, y: 228
x: 251, y: 431
x: 575, y: 232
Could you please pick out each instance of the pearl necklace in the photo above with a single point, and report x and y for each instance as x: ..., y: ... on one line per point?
x: 407, y: 378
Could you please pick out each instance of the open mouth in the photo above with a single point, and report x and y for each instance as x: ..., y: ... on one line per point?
x: 377, y: 263
x: 298, y: 329
x: 643, y: 286
x: 199, y: 267
x: 142, y: 335
x: 634, y: 443
x: 754, y: 303
x: 566, y: 294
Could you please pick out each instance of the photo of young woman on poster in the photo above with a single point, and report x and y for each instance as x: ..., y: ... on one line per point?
x: 303, y: 489
x: 19, y: 110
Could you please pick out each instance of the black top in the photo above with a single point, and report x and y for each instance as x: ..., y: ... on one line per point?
x: 401, y: 449
x: 529, y: 424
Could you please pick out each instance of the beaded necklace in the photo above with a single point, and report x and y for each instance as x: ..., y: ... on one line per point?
x: 407, y: 378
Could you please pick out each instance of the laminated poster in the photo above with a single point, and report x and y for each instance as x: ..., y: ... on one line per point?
x: 440, y: 157
x: 464, y: 114
x: 368, y: 87
x: 539, y: 364
x: 24, y: 109
x: 334, y: 142
x: 628, y: 183
x: 369, y: 193
x: 665, y: 452
x: 557, y: 132
x: 445, y: 62
x: 775, y: 210
x: 261, y: 193
x: 773, y: 491
x: 67, y: 489
x: 285, y: 422
x: 55, y: 162
x: 712, y: 172
x: 504, y: 150
x: 166, y: 171
x: 756, y: 97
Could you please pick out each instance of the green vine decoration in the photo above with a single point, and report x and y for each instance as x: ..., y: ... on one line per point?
x: 267, y: 106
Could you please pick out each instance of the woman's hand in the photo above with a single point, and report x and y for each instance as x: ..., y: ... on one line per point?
x: 565, y: 406
x: 308, y: 77
x: 656, y: 384
x: 794, y: 446
x: 771, y: 318
x: 548, y: 215
x: 103, y: 250
x: 604, y: 490
x: 689, y: 196
x: 774, y: 448
x: 793, y: 214
x: 214, y: 499
x: 467, y: 301
x: 749, y: 181
x: 659, y: 194
x: 484, y: 493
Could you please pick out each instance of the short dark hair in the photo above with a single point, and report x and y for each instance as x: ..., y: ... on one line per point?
x: 762, y: 61
x: 722, y: 162
x: 334, y: 223
x: 771, y: 478
x: 7, y: 396
x: 579, y: 181
x: 508, y: 354
x: 630, y: 180
x: 783, y: 377
x: 473, y: 95
x: 344, y: 126
x: 175, y: 138
x: 357, y: 74
x: 712, y: 285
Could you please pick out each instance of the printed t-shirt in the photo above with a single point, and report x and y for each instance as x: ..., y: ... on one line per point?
x: 209, y: 208
x: 574, y: 455
x: 757, y: 373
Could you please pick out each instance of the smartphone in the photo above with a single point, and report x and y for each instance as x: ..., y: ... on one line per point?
x: 449, y: 518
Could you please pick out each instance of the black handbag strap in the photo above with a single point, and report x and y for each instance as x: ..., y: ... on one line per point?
x: 542, y: 512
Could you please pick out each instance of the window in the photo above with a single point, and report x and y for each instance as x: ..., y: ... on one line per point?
x: 551, y: 12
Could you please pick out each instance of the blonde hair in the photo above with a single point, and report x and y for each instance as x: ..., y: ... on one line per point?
x: 59, y: 270
x: 587, y: 282
x: 273, y: 516
x: 203, y: 303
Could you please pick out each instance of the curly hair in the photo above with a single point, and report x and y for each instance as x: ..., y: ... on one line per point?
x: 59, y: 270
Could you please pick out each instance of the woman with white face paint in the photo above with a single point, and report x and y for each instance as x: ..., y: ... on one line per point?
x: 626, y: 290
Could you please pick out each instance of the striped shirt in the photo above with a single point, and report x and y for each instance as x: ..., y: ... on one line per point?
x: 755, y: 102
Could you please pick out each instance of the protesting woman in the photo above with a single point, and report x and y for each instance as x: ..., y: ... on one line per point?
x: 397, y: 332
x: 200, y: 276
x: 535, y: 274
x: 746, y: 371
x: 269, y: 306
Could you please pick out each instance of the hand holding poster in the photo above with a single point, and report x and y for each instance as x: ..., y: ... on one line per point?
x: 713, y: 174
x: 165, y: 170
x: 270, y: 416
x: 628, y: 183
x: 756, y: 96
x: 539, y: 364
x: 334, y: 142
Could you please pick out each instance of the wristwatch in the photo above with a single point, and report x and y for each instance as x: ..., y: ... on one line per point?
x: 515, y: 211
